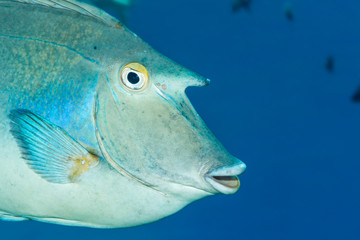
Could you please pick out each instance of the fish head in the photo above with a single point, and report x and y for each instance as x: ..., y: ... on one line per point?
x: 148, y: 130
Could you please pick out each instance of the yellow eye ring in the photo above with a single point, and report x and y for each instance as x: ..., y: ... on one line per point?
x: 134, y: 76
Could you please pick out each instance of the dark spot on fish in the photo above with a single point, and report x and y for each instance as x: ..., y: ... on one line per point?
x: 173, y: 116
x: 356, y: 97
x: 95, y: 47
x: 241, y: 4
x: 329, y: 65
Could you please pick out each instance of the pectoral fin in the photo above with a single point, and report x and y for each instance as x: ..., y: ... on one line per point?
x: 48, y: 149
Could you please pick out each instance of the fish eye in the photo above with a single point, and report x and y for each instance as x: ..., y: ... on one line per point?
x: 134, y: 76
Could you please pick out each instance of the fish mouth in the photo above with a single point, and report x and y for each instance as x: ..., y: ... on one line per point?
x: 225, y: 179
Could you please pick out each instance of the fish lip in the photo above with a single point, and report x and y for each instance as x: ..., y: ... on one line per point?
x: 224, y: 179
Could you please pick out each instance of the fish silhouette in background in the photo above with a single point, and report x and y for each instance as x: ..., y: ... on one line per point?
x: 95, y: 127
x: 356, y: 96
x: 241, y: 4
x: 288, y: 10
x: 330, y: 64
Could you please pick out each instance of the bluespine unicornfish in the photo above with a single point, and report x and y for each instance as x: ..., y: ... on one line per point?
x: 95, y: 127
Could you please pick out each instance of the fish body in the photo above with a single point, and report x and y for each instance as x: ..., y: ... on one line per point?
x: 95, y: 127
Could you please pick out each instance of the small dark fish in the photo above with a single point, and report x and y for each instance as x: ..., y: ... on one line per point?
x: 241, y: 4
x: 289, y: 12
x: 329, y: 65
x: 356, y: 97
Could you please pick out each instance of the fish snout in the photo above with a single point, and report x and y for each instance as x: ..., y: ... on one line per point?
x: 224, y: 179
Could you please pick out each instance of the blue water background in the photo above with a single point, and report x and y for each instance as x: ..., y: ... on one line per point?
x: 272, y: 104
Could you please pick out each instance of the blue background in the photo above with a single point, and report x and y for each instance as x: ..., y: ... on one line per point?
x: 273, y: 105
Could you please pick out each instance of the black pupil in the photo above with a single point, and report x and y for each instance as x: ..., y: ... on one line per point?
x: 133, y: 78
